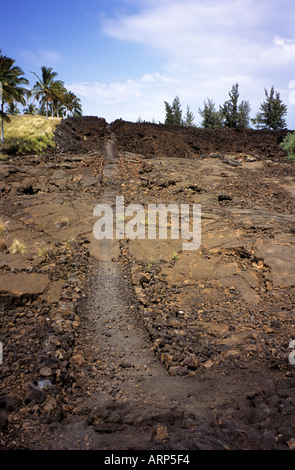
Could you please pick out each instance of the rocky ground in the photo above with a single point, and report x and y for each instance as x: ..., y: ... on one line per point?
x: 137, y: 343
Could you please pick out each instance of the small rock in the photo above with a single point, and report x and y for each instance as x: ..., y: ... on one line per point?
x: 208, y: 364
x: 46, y: 372
x: 35, y: 395
x: 44, y: 384
x: 78, y: 359
x: 159, y: 432
x: 167, y: 359
x: 191, y: 362
x: 125, y: 365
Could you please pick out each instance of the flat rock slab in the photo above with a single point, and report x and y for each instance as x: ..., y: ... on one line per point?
x: 280, y: 259
x: 18, y: 286
x: 14, y: 262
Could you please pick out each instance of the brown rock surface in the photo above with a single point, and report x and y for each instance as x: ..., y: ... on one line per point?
x: 140, y: 344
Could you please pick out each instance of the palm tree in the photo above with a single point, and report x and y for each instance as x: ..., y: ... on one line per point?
x: 59, y: 99
x: 30, y: 109
x: 12, y: 109
x: 46, y: 88
x: 72, y: 104
x: 11, y: 87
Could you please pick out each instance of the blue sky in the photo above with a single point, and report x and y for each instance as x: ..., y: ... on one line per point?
x: 124, y: 58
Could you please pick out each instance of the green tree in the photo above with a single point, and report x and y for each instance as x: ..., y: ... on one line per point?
x: 58, y: 98
x: 46, y: 89
x: 12, y: 109
x: 173, y: 113
x: 229, y: 110
x: 288, y: 145
x: 189, y: 118
x: 12, y: 88
x: 244, y: 115
x: 272, y: 111
x: 210, y: 117
x: 177, y: 112
x: 256, y: 121
x: 58, y: 109
x: 72, y: 104
x: 169, y: 119
x: 42, y: 109
x: 30, y: 109
x: 234, y: 114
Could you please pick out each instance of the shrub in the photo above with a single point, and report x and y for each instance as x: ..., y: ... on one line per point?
x: 288, y: 145
x: 42, y: 251
x: 29, y: 135
x: 17, y: 246
x: 175, y: 256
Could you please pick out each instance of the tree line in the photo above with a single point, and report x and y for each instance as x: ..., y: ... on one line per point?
x: 48, y: 96
x: 232, y: 113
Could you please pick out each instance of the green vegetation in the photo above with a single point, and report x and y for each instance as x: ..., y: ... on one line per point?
x: 28, y: 134
x: 54, y: 97
x: 232, y: 113
x: 174, y: 114
x: 50, y: 94
x: 272, y: 112
x: 210, y: 117
x: 288, y: 145
x: 11, y: 87
x: 235, y: 115
x: 46, y: 89
x: 175, y: 256
x: 150, y: 264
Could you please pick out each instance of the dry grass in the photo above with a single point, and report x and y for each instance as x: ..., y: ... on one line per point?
x: 28, y: 134
x: 69, y: 244
x: 43, y: 251
x: 16, y: 247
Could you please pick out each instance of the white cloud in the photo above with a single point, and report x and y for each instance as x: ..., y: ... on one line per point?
x: 236, y: 36
x: 188, y: 30
x: 206, y: 46
x: 283, y: 50
x: 130, y: 99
